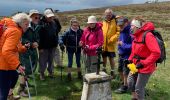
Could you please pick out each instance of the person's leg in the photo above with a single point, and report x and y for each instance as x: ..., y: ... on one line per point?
x: 131, y: 84
x: 104, y: 55
x: 43, y: 57
x: 93, y: 68
x: 112, y: 63
x: 50, y: 61
x: 78, y: 54
x: 70, y: 62
x: 57, y: 59
x: 141, y: 82
x: 88, y: 63
x: 4, y: 84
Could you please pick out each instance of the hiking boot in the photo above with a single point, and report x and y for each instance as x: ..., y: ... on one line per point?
x: 122, y: 89
x: 112, y: 73
x: 42, y: 78
x: 12, y: 97
x: 69, y: 76
x: 79, y: 75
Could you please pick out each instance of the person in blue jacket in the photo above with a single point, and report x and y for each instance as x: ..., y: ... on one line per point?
x: 124, y: 50
x: 71, y: 39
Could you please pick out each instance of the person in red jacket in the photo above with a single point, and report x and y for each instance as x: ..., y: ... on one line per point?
x: 144, y: 56
x: 91, y: 39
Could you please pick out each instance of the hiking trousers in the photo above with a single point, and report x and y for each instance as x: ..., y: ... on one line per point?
x: 8, y: 81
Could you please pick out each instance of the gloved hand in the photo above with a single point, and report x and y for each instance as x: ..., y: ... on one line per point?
x: 126, y: 62
x: 86, y: 47
x: 139, y: 66
x: 62, y: 47
x: 132, y: 68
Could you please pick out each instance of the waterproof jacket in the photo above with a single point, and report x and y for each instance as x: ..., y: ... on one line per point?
x: 10, y: 45
x: 111, y: 33
x: 93, y: 38
x: 71, y: 40
x: 124, y: 50
x: 48, y: 34
x: 31, y: 55
x: 149, y: 52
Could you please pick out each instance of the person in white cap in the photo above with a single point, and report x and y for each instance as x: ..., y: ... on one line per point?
x: 48, y: 43
x: 91, y: 39
x: 31, y: 55
x: 143, y: 55
x: 111, y: 33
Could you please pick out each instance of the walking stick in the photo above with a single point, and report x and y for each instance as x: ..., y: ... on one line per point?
x: 35, y: 87
x: 26, y: 82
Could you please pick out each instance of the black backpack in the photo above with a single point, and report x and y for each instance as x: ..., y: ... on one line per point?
x: 160, y: 43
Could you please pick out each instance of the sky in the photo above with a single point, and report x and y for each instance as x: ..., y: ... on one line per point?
x: 8, y: 7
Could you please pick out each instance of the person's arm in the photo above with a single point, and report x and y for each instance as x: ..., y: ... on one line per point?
x: 114, y: 38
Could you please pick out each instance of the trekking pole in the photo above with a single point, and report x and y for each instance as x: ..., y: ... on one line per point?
x: 35, y: 87
x: 62, y: 58
x: 26, y: 83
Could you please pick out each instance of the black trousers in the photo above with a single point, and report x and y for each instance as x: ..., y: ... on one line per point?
x: 8, y: 80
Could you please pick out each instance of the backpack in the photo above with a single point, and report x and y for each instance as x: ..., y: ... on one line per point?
x: 2, y: 27
x: 160, y: 43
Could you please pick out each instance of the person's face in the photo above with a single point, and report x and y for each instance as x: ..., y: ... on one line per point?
x: 24, y: 25
x: 35, y: 18
x: 133, y: 29
x: 75, y: 26
x: 108, y: 15
x: 50, y: 19
x: 92, y: 25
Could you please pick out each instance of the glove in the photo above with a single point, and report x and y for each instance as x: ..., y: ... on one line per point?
x: 139, y: 66
x: 62, y: 47
x: 132, y: 68
x: 126, y: 61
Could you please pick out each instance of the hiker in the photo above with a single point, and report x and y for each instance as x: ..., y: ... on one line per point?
x: 91, y: 39
x: 124, y: 50
x: 111, y: 32
x: 144, y: 57
x: 57, y: 57
x: 71, y: 39
x: 29, y: 59
x: 48, y: 42
x: 10, y: 45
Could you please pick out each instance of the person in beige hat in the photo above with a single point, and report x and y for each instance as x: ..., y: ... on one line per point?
x: 91, y: 39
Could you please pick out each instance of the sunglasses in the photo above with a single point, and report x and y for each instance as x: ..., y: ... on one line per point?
x: 36, y: 17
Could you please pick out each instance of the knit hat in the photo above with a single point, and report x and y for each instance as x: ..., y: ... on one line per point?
x: 92, y: 19
x: 136, y: 23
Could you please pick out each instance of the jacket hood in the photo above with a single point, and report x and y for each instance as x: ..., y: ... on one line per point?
x: 145, y: 27
x: 8, y: 22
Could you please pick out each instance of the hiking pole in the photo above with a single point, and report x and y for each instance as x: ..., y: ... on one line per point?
x: 35, y: 87
x: 26, y: 83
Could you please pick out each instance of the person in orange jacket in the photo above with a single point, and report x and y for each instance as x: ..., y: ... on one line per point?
x: 10, y: 45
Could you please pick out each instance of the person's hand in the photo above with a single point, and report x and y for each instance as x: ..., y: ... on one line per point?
x: 62, y: 47
x: 80, y: 43
x: 21, y: 70
x: 120, y: 42
x: 27, y: 45
x: 139, y: 66
x: 35, y: 45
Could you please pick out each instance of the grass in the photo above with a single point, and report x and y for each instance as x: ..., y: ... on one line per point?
x: 158, y: 86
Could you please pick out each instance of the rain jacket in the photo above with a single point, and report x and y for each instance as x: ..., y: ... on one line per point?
x: 31, y: 55
x: 93, y: 38
x: 71, y: 40
x: 10, y: 45
x: 111, y: 33
x: 149, y: 52
x: 124, y: 50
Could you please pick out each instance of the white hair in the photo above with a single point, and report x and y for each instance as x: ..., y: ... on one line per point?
x: 109, y: 11
x: 20, y: 18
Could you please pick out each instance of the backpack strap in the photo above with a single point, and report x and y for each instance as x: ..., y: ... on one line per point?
x: 144, y: 36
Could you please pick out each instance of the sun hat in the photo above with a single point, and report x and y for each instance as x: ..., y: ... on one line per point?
x: 92, y: 19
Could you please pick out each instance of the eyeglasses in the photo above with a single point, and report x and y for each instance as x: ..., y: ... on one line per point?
x: 36, y: 17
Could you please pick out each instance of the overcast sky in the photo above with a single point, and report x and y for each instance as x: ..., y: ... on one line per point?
x: 7, y: 7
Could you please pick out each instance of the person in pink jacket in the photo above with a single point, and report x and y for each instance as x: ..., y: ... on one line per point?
x: 91, y: 39
x: 144, y: 56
